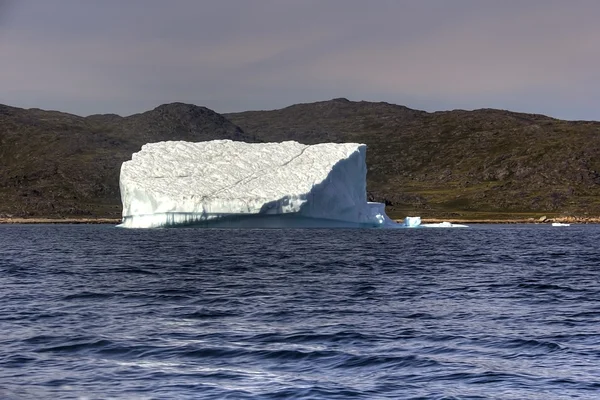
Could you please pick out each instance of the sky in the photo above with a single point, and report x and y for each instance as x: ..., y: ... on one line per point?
x: 129, y: 56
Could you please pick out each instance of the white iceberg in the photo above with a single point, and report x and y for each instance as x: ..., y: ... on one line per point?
x: 223, y: 183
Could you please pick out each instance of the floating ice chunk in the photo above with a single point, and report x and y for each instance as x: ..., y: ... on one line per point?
x: 412, y: 222
x: 227, y: 183
x: 444, y: 224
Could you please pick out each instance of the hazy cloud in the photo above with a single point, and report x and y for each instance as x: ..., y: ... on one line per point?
x: 229, y: 55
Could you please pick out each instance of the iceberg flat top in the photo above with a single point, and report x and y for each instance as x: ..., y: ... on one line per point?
x: 228, y: 169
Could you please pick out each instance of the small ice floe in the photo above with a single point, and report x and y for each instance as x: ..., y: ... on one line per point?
x: 412, y: 222
x: 415, y: 222
x: 560, y: 224
x: 444, y: 224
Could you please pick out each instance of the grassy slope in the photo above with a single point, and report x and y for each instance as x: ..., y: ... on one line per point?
x: 61, y: 165
x: 479, y: 164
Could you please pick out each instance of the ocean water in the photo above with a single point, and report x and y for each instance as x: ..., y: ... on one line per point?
x: 489, y: 312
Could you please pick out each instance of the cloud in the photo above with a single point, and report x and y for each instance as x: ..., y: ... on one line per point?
x: 527, y: 49
x: 112, y: 56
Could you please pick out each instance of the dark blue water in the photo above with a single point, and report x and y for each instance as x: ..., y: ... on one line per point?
x: 490, y: 312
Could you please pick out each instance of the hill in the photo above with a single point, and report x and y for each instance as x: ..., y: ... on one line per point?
x: 54, y: 164
x: 443, y: 164
x: 488, y: 162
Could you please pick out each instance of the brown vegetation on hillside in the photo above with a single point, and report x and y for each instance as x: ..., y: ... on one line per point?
x: 475, y: 164
x: 453, y: 163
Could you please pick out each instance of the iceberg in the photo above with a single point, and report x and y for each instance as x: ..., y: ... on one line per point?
x: 224, y: 183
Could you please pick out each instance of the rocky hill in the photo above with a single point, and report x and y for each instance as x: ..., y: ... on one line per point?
x: 54, y: 164
x: 456, y: 163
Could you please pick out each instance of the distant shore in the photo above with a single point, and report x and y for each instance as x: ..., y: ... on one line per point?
x: 113, y: 221
x: 116, y: 221
x: 565, y: 220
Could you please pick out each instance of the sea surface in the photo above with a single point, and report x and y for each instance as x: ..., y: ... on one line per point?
x: 488, y: 312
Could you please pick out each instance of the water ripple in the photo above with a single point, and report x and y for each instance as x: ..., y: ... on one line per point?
x: 501, y: 312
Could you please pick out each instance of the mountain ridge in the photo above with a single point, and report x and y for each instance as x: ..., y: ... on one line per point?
x: 55, y: 164
x: 443, y: 162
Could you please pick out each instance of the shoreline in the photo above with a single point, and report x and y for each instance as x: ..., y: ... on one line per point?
x: 113, y: 221
x: 564, y: 220
x: 116, y: 221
